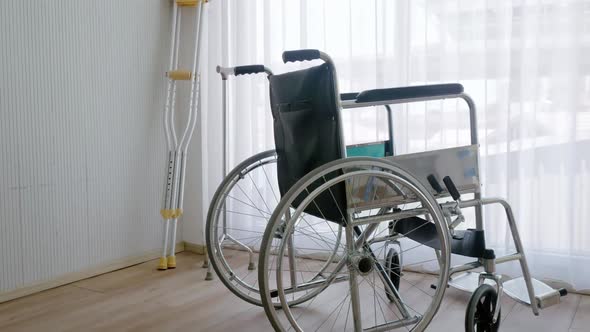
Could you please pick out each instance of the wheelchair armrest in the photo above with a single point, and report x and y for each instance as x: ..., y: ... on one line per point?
x: 348, y: 96
x: 409, y: 92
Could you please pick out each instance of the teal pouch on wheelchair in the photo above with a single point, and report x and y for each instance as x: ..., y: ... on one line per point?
x: 374, y: 149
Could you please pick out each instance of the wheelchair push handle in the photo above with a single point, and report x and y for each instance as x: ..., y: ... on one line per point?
x: 250, y: 69
x: 225, y: 72
x: 301, y: 55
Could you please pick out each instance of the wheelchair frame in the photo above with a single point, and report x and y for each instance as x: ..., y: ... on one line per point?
x: 488, y: 262
x: 450, y: 208
x: 258, y: 160
x: 478, y: 202
x: 225, y: 73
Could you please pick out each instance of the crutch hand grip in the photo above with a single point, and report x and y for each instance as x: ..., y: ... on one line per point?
x: 300, y: 55
x: 250, y: 69
x: 451, y: 188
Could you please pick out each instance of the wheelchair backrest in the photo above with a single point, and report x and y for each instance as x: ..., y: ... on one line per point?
x: 307, y: 131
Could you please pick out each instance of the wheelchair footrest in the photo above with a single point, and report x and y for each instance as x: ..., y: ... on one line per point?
x: 468, y: 282
x: 470, y: 242
x: 545, y: 296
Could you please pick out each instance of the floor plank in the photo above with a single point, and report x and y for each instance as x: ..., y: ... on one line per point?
x: 582, y: 317
x: 140, y: 298
x: 33, y: 312
x: 557, y: 318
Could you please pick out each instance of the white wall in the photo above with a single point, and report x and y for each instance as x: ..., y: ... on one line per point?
x: 81, y: 144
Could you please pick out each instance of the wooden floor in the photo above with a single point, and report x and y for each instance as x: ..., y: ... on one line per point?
x: 140, y: 298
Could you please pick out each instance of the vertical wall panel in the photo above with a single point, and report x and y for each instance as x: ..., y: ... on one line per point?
x: 81, y: 141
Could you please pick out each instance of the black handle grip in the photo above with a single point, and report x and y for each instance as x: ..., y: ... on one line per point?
x: 451, y: 188
x: 300, y: 55
x: 434, y: 184
x: 250, y: 69
x: 348, y: 96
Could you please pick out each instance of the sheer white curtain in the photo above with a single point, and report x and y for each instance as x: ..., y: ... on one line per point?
x: 526, y: 64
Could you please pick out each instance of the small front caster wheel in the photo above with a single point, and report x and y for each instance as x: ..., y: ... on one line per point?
x: 394, y: 270
x: 480, y: 310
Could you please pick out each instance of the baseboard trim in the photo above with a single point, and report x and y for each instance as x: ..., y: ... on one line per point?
x: 85, y: 274
x: 195, y: 248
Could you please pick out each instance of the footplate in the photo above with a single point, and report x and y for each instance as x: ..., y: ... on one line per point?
x: 545, y: 296
x: 468, y: 282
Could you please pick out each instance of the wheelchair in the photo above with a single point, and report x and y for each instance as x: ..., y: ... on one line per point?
x: 359, y: 238
x: 248, y: 193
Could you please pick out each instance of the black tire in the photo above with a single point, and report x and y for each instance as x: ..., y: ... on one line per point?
x: 480, y: 310
x: 394, y: 270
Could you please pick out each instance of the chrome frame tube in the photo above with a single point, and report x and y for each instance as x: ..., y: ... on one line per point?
x: 309, y: 285
x: 394, y: 325
x: 462, y: 268
x: 338, y: 103
x: 291, y: 252
x: 519, y: 255
x: 390, y: 130
x: 354, y: 290
x: 472, y: 124
x: 519, y: 249
x: 224, y: 117
x: 508, y: 258
x: 240, y: 244
x: 389, y: 217
x: 391, y: 151
x: 385, y: 238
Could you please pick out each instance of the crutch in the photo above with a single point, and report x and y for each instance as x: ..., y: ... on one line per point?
x: 225, y: 72
x: 177, y: 150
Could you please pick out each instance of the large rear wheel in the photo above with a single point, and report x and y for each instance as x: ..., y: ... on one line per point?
x: 354, y: 290
x: 238, y: 215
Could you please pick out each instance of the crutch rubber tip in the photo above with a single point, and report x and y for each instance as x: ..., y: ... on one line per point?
x: 171, y: 262
x: 209, y: 276
x: 163, y: 264
x: 252, y: 266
